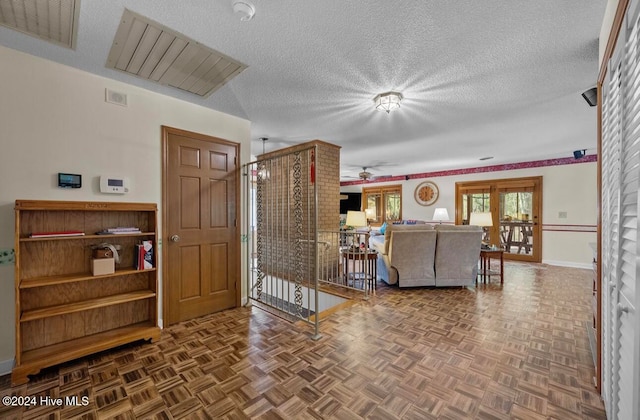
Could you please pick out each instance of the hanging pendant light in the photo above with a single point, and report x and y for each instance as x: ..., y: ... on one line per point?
x: 263, y: 173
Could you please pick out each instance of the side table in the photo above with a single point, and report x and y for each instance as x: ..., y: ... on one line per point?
x: 485, y: 264
x: 364, y: 267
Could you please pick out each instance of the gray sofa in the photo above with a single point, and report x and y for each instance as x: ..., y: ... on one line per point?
x: 421, y: 255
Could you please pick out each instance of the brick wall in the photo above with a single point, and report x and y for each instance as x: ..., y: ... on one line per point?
x: 281, y: 254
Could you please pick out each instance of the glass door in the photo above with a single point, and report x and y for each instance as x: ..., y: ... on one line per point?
x: 515, y: 207
x: 516, y: 224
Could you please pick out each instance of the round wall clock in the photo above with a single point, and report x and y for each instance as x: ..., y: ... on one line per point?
x: 426, y: 193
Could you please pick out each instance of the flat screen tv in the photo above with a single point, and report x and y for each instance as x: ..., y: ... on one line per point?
x: 352, y: 202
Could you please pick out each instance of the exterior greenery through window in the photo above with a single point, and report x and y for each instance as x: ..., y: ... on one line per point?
x: 515, y: 205
x: 386, y: 201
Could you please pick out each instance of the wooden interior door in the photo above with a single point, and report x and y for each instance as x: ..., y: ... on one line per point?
x: 201, y: 248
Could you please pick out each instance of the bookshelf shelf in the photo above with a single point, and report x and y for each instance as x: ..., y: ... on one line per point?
x: 62, y: 311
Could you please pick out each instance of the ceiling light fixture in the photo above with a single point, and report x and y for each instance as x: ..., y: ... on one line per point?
x: 263, y: 172
x: 245, y: 9
x: 388, y: 101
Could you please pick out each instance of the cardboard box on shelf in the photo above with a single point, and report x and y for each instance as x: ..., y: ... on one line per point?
x: 100, y: 266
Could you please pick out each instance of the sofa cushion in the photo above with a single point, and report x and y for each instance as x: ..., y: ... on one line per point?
x: 412, y: 254
x: 457, y: 254
x: 391, y: 228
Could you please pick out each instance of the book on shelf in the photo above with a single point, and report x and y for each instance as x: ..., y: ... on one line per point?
x: 122, y: 229
x: 56, y: 234
x: 118, y: 231
x: 143, y: 257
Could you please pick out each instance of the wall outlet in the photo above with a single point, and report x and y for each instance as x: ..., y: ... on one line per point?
x: 7, y: 256
x: 562, y: 215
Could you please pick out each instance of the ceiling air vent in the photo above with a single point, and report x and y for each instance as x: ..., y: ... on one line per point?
x: 146, y: 49
x: 55, y: 21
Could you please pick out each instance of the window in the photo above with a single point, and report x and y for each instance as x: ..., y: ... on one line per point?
x: 385, y: 201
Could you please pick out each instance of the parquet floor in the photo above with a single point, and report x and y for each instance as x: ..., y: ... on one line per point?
x: 519, y: 351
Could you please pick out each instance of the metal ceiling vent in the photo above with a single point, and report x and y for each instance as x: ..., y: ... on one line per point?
x: 149, y: 50
x: 55, y: 21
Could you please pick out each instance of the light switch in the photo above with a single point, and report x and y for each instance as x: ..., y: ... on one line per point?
x: 562, y: 215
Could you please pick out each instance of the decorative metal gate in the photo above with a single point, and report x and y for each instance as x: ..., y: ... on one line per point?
x: 289, y: 257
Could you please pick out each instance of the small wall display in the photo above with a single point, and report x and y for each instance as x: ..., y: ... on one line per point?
x: 426, y: 193
x: 69, y: 180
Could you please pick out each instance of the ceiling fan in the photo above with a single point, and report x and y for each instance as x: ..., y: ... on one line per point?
x: 366, y: 175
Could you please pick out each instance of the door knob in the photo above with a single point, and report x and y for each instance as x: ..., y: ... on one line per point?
x: 175, y: 238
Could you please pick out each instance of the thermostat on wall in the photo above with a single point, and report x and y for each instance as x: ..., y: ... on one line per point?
x: 113, y: 185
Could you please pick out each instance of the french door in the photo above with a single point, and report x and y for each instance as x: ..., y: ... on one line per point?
x: 515, y: 207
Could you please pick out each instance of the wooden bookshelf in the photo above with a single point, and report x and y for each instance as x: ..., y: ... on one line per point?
x: 62, y: 311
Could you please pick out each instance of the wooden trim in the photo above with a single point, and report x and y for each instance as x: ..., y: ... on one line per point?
x: 166, y: 307
x: 167, y: 311
x: 51, y: 205
x: 18, y: 328
x: 604, y: 68
x: 611, y: 44
x: 395, y: 188
x: 598, y: 367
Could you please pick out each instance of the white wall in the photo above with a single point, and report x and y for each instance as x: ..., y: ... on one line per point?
x: 566, y: 188
x: 605, y: 29
x: 54, y: 119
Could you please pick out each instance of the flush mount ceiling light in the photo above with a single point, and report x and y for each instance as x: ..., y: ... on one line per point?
x: 388, y: 101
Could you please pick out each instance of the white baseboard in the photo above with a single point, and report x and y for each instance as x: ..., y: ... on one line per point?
x: 244, y: 301
x: 586, y: 266
x: 6, y: 366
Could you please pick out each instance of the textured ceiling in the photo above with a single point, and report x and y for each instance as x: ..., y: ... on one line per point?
x: 479, y: 78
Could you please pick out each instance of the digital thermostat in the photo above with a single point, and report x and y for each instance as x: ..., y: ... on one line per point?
x: 69, y: 180
x: 113, y: 185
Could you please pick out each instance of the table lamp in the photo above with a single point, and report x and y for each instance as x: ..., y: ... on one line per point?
x: 371, y: 214
x: 355, y: 219
x: 483, y: 219
x: 440, y: 215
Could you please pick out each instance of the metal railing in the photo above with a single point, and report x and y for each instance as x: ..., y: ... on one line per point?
x: 289, y: 258
x: 282, y: 260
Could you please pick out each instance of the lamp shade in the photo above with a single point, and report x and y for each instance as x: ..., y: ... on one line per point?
x: 440, y: 215
x: 370, y: 213
x: 481, y: 219
x: 356, y: 219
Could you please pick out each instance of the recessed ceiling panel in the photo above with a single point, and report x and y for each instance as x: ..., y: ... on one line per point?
x: 149, y: 50
x: 55, y: 21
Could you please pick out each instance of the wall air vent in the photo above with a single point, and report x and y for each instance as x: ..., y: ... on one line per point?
x: 55, y: 21
x: 146, y: 49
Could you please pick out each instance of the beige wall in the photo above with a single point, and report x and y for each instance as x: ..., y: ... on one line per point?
x: 54, y: 119
x: 566, y: 188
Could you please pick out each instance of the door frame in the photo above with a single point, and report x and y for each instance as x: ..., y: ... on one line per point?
x: 164, y: 238
x: 493, y: 186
